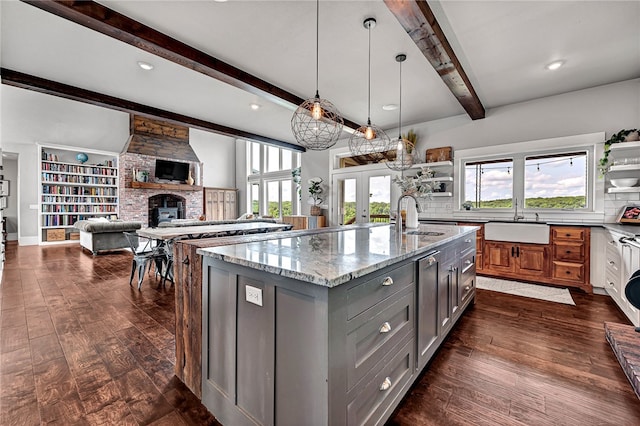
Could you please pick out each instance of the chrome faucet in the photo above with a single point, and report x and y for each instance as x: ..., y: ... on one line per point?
x: 515, y: 216
x: 399, y: 216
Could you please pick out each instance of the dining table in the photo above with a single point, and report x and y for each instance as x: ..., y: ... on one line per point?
x: 208, y: 231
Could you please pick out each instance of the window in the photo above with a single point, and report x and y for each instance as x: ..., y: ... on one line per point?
x: 541, y: 180
x: 270, y: 182
x: 489, y: 184
x: 556, y: 181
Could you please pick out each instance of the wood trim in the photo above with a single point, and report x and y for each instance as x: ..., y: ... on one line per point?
x: 167, y: 186
x: 50, y: 87
x: 420, y: 23
x: 107, y: 21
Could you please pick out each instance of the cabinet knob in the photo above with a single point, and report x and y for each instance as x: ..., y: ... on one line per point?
x: 567, y: 271
x: 611, y: 262
x: 610, y: 283
x: 467, y: 241
x: 431, y: 260
x: 467, y: 288
x: 386, y: 384
x: 568, y: 252
x: 387, y: 281
x: 467, y: 262
x: 567, y: 235
x: 385, y: 328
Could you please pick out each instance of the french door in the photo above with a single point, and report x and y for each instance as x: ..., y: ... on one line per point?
x: 361, y: 197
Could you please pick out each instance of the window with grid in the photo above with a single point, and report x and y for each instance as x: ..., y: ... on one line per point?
x: 271, y: 187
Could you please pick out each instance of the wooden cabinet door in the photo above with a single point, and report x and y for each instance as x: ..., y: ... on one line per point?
x: 230, y: 210
x: 532, y: 260
x: 208, y: 204
x: 499, y: 257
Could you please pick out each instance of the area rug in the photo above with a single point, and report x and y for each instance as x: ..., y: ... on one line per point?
x: 552, y: 294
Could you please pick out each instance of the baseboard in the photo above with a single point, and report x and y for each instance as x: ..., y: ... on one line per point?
x: 12, y: 236
x: 28, y: 241
x: 601, y: 291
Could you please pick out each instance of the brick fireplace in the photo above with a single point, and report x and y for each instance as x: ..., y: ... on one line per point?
x: 151, y: 140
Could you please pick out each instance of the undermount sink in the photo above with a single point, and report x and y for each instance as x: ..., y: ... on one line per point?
x: 535, y: 233
x: 428, y: 233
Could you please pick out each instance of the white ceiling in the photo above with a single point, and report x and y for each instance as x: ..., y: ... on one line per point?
x: 502, y: 45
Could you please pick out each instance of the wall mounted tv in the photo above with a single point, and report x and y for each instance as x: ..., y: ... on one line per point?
x: 172, y: 170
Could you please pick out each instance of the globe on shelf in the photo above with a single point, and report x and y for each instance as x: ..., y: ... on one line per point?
x: 82, y: 157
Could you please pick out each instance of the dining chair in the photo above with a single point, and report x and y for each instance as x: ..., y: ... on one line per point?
x: 146, y: 253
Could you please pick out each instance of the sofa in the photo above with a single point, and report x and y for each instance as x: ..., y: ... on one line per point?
x: 104, y: 235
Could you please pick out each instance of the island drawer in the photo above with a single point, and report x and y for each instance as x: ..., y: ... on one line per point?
x: 467, y: 244
x: 382, y: 392
x: 373, y: 333
x: 369, y: 293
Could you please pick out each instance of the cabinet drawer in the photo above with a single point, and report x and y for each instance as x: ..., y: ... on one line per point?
x: 468, y: 266
x: 574, y: 234
x: 365, y: 295
x: 569, y: 251
x: 371, y: 335
x: 568, y: 271
x: 467, y: 244
x: 376, y: 396
x: 467, y: 289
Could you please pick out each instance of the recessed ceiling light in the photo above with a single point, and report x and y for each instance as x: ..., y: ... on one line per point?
x: 554, y: 65
x: 389, y: 107
x: 220, y: 1
x: 145, y: 65
x: 255, y: 107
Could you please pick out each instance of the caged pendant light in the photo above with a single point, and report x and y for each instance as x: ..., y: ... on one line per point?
x: 369, y: 140
x: 316, y: 124
x: 403, y: 148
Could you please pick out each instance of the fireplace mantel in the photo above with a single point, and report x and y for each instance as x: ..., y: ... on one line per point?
x: 166, y: 186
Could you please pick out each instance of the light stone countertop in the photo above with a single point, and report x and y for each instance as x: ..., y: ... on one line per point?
x: 333, y: 258
x: 201, y: 231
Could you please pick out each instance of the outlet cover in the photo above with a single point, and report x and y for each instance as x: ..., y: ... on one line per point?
x: 253, y: 295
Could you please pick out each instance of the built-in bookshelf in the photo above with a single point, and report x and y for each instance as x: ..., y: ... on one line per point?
x: 73, y: 190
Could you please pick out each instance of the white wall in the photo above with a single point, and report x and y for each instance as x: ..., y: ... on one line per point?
x: 218, y: 155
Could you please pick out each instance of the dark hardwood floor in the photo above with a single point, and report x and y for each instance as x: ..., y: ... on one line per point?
x: 79, y: 346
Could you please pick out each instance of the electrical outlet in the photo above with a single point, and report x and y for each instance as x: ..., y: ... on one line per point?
x: 253, y: 295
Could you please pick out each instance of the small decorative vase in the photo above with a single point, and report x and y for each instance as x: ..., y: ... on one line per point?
x: 190, y: 179
x: 315, y: 211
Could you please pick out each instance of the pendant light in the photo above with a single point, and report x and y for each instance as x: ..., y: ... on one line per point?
x: 369, y: 140
x: 316, y: 124
x: 403, y: 159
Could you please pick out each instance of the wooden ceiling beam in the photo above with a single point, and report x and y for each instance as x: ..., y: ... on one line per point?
x: 49, y: 87
x: 420, y: 23
x: 106, y: 21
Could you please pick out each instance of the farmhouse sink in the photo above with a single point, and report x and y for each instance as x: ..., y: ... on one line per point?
x: 536, y: 233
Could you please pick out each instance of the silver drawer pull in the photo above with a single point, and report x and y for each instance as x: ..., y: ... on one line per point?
x: 611, y: 262
x: 386, y: 384
x: 431, y: 260
x: 610, y: 283
x: 467, y: 262
x: 385, y: 328
x: 387, y: 281
x: 467, y: 288
x: 467, y: 241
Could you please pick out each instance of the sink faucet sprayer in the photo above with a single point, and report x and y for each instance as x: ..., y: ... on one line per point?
x: 399, y: 216
x: 515, y: 216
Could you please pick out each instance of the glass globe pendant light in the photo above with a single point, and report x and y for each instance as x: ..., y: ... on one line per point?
x: 369, y: 140
x: 403, y: 159
x: 317, y: 124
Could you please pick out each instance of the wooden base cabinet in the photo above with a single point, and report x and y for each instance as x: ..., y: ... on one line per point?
x: 525, y: 261
x: 564, y: 261
x: 305, y: 222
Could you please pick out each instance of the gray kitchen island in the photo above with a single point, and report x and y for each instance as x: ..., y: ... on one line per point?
x: 329, y: 328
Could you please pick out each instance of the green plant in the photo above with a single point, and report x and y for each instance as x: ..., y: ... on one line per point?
x: 615, y: 138
x: 315, y: 191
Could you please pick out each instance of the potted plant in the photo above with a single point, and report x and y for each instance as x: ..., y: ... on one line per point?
x: 315, y: 192
x: 623, y: 135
